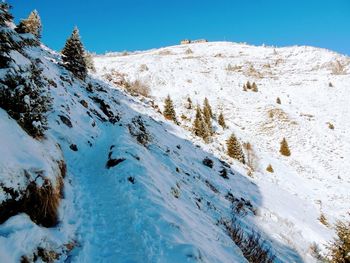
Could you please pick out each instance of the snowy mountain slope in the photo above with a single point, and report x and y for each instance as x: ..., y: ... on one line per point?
x: 314, y: 180
x: 136, y: 188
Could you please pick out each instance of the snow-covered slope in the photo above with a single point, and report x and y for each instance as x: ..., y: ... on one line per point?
x: 137, y: 188
x: 314, y: 87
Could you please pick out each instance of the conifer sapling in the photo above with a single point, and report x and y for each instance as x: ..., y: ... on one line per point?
x: 169, y: 111
x: 284, y: 149
x: 234, y: 148
x: 73, y: 55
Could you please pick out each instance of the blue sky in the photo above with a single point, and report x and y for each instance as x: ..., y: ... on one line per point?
x: 115, y: 25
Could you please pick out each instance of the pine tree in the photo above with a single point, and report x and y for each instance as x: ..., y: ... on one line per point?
x: 188, y: 103
x: 5, y: 15
x: 234, y: 149
x: 200, y: 127
x: 248, y: 85
x: 269, y: 168
x: 284, y: 150
x: 169, y: 111
x: 207, y: 115
x: 278, y: 100
x: 221, y: 120
x: 339, y: 248
x: 74, y: 55
x: 206, y: 106
x: 31, y: 25
x: 23, y: 96
x: 254, y: 87
x: 5, y: 35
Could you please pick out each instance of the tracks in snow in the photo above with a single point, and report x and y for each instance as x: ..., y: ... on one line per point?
x: 104, y: 209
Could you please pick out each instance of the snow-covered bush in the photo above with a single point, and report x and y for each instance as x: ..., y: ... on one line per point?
x: 25, y: 98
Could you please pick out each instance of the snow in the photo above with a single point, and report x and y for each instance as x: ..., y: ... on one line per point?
x: 160, y: 203
x: 314, y: 179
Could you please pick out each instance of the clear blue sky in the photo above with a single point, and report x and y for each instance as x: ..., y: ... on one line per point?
x: 115, y: 25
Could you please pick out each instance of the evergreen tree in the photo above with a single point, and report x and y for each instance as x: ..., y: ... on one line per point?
x: 23, y: 96
x: 207, y: 107
x: 169, y: 111
x: 207, y: 115
x: 284, y: 149
x: 200, y: 127
x: 5, y: 34
x: 248, y: 85
x: 278, y: 100
x: 5, y: 15
x: 31, y: 25
x: 188, y: 103
x: 221, y: 120
x: 234, y: 149
x: 254, y: 87
x: 74, y: 55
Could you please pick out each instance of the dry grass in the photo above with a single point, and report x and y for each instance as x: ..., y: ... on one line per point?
x: 252, y: 246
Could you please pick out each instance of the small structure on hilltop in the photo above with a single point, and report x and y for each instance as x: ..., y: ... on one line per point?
x: 188, y: 41
x: 185, y: 42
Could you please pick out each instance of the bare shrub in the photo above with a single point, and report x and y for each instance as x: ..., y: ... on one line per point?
x: 337, y: 68
x: 137, y: 87
x: 323, y: 219
x: 233, y: 68
x: 188, y: 51
x: 253, y: 248
x: 330, y: 126
x: 251, y: 158
x: 143, y: 67
x: 165, y: 52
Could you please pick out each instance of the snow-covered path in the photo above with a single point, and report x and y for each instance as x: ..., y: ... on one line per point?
x: 107, y: 231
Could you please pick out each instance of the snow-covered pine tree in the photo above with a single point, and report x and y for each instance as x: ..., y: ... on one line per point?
x: 5, y: 34
x: 169, y: 111
x: 32, y: 25
x: 234, y: 149
x: 24, y: 97
x: 221, y: 120
x: 74, y: 55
